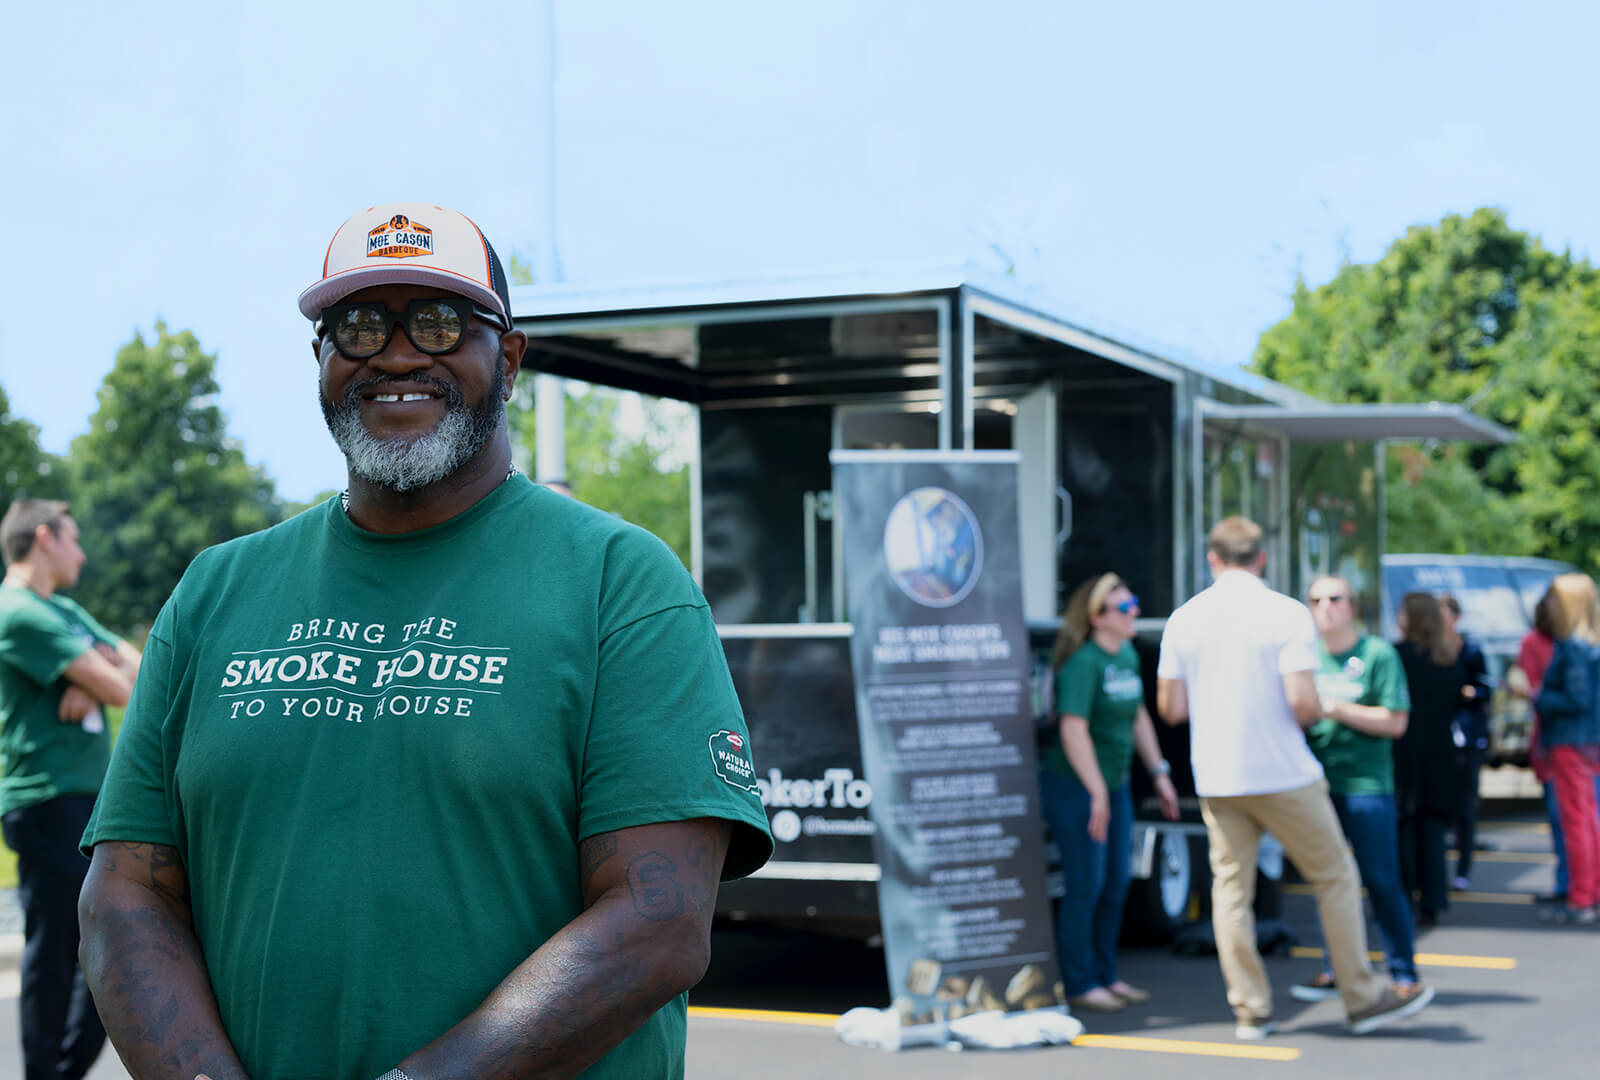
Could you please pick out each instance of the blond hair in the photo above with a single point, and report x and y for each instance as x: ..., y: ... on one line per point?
x: 1235, y: 541
x: 1576, y: 611
x: 1087, y: 601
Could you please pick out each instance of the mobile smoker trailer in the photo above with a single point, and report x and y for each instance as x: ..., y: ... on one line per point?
x: 1127, y: 457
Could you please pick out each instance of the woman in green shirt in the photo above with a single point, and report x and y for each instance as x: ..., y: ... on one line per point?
x: 1084, y: 784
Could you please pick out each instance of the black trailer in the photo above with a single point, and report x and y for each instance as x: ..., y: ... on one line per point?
x: 1127, y: 456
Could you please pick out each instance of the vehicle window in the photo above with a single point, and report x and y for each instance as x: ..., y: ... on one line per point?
x: 1531, y: 583
x: 1490, y: 606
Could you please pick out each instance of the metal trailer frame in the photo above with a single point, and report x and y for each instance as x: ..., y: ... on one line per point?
x: 651, y: 338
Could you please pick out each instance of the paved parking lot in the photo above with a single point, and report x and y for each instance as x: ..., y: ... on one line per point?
x: 1513, y: 995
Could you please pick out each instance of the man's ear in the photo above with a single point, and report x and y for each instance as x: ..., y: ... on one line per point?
x: 513, y: 347
x: 316, y: 350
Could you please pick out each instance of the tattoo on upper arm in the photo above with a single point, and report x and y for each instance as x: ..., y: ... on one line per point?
x: 166, y: 875
x: 704, y: 853
x: 657, y: 896
x: 594, y: 853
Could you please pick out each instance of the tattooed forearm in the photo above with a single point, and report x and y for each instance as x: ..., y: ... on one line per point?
x: 146, y: 969
x: 644, y: 939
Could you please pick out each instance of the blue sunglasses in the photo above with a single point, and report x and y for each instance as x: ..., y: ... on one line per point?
x: 1130, y: 604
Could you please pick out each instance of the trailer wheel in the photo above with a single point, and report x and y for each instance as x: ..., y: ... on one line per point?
x: 1158, y: 905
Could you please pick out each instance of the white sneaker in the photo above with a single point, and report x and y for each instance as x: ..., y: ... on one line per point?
x: 1253, y: 1030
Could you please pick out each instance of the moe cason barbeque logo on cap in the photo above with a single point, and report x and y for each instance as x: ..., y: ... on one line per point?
x: 400, y: 238
x: 933, y: 547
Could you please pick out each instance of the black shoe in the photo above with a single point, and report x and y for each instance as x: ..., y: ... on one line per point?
x: 1552, y: 898
x: 1320, y: 988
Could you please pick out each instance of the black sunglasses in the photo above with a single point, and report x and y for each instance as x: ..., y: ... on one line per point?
x: 434, y: 326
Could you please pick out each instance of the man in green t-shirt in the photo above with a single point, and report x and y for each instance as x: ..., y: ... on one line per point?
x: 1365, y: 705
x: 58, y: 667
x: 438, y: 779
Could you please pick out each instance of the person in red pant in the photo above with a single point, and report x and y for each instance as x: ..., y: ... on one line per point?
x: 1570, y: 730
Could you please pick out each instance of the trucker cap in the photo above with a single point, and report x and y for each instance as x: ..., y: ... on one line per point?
x: 409, y: 244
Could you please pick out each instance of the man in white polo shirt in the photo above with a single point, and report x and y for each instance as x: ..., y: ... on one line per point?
x: 1238, y: 661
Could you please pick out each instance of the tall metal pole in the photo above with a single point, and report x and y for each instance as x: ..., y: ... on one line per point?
x: 549, y: 391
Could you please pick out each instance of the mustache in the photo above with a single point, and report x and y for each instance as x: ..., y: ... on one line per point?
x: 452, y: 394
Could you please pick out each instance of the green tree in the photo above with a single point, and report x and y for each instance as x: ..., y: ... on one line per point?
x: 1469, y: 311
x: 619, y: 466
x: 156, y: 479
x: 292, y: 507
x: 607, y: 468
x: 26, y: 470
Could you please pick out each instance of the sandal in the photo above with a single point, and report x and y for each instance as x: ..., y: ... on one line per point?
x: 1098, y: 1000
x: 1130, y: 995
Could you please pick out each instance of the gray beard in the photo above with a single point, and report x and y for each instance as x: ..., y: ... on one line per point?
x: 402, y: 465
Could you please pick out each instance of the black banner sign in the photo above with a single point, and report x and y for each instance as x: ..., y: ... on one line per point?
x: 941, y: 662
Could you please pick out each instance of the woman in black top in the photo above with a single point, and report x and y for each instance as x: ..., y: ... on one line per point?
x: 1471, y: 735
x: 1427, y: 777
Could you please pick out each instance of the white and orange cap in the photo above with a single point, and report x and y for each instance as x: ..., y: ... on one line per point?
x: 409, y: 244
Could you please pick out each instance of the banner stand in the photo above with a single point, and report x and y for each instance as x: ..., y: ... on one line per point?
x: 940, y: 657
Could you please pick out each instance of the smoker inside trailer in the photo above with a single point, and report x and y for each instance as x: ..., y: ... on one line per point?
x: 1126, y: 459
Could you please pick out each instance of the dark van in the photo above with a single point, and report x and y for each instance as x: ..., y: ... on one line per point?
x: 1497, y: 594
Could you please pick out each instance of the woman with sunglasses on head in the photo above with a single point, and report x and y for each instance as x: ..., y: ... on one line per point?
x: 1570, y: 731
x: 1084, y: 784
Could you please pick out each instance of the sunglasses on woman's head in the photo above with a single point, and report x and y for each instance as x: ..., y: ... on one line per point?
x: 435, y: 326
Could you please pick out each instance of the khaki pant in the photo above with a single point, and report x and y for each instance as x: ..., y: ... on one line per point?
x: 1304, y: 821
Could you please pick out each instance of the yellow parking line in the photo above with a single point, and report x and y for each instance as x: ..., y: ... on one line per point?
x: 1452, y: 960
x: 1493, y: 897
x: 1514, y: 826
x: 1101, y: 1042
x: 1185, y: 1046
x: 771, y: 1016
x: 1465, y: 897
x: 1541, y: 857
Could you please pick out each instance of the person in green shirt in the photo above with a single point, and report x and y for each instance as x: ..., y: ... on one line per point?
x: 1083, y: 784
x: 1365, y: 705
x: 58, y: 668
x: 436, y: 780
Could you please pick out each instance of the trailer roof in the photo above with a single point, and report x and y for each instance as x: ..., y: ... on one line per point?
x: 596, y: 307
x: 1321, y: 422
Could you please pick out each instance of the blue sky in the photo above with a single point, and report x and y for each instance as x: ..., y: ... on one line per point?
x: 1162, y: 169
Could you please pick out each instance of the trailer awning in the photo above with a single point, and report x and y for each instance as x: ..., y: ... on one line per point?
x: 1365, y: 423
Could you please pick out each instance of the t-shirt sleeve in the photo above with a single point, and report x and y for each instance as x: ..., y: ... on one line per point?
x: 90, y: 623
x: 1389, y: 687
x: 133, y: 804
x: 1169, y: 665
x: 1299, y: 650
x: 1075, y: 686
x: 667, y: 739
x: 39, y: 643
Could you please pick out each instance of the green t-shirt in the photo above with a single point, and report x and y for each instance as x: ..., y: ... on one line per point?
x: 377, y: 756
x: 1368, y: 674
x: 1106, y: 690
x: 40, y: 757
